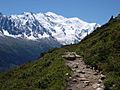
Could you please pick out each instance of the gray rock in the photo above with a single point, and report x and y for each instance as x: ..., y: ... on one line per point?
x: 99, y: 89
x: 83, y: 79
x: 96, y: 73
x: 102, y: 86
x: 93, y: 68
x: 99, y: 81
x: 96, y: 85
x: 75, y: 66
x: 69, y: 57
x: 82, y: 75
x: 77, y: 63
x: 102, y: 77
x: 73, y: 69
x: 74, y: 80
x: 76, y: 75
x: 78, y: 56
x: 70, y: 77
x: 86, y: 83
x: 80, y: 71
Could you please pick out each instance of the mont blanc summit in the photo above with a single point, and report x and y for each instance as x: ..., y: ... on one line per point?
x: 36, y: 26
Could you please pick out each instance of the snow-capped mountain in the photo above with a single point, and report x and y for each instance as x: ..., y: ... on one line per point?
x: 45, y: 25
x: 24, y: 37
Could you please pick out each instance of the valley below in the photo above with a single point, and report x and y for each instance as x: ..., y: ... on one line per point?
x: 26, y: 36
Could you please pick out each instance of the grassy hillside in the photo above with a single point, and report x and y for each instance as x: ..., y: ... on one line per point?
x: 48, y: 73
x: 100, y: 49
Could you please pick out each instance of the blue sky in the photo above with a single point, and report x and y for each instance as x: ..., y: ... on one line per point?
x: 98, y: 11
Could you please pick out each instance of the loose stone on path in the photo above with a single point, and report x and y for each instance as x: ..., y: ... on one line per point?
x: 84, y: 77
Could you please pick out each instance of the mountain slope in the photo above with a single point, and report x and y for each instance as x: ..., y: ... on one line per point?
x: 36, y: 26
x: 101, y: 49
x: 48, y: 73
x: 14, y: 52
x: 24, y: 37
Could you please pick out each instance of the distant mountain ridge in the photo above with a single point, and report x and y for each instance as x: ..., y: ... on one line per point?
x: 44, y: 25
x: 17, y: 51
x: 100, y: 50
x: 24, y: 37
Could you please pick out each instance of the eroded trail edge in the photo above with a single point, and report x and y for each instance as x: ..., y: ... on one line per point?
x: 84, y: 77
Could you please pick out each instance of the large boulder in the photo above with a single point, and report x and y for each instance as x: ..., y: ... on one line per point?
x: 69, y: 56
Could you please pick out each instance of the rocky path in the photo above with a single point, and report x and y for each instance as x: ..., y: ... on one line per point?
x: 84, y: 77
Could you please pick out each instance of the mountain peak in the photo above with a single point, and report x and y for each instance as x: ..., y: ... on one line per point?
x: 50, y: 13
x: 41, y: 25
x: 27, y: 13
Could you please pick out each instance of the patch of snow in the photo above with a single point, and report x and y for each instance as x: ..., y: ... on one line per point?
x: 44, y: 25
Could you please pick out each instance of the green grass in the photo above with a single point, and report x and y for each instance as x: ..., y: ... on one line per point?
x: 48, y: 73
x: 101, y: 50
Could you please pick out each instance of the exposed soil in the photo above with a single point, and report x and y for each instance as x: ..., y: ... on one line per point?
x: 84, y: 77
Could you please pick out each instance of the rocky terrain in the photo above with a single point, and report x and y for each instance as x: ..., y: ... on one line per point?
x: 84, y: 77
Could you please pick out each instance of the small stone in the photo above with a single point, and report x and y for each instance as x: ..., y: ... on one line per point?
x: 99, y: 89
x: 93, y: 68
x: 86, y: 83
x: 70, y: 77
x: 80, y: 71
x: 77, y: 63
x: 83, y: 72
x: 99, y: 81
x: 77, y: 75
x: 69, y: 56
x: 74, y: 80
x: 102, y: 77
x: 82, y: 79
x: 78, y: 56
x: 75, y: 66
x: 102, y: 86
x: 82, y: 75
x: 96, y: 73
x: 96, y: 85
x: 90, y: 67
x: 73, y: 69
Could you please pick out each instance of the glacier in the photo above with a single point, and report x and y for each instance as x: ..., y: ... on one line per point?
x: 36, y: 26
